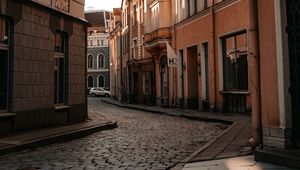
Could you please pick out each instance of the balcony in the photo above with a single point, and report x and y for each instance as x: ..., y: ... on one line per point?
x: 159, y: 34
x: 157, y: 39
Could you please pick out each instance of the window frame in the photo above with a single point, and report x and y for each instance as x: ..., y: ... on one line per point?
x: 238, y: 53
x: 101, y: 56
x: 60, y: 97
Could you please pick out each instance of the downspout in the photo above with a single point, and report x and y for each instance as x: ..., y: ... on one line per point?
x: 254, y: 65
x: 121, y: 62
x: 213, y: 47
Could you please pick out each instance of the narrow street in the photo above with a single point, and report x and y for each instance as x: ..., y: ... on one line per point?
x: 141, y: 141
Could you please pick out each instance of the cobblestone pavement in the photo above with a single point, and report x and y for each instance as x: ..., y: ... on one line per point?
x: 141, y: 141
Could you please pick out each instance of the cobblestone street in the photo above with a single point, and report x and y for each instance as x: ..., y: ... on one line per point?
x: 141, y: 141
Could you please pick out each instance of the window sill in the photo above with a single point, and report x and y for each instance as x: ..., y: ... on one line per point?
x: 7, y: 115
x: 64, y: 107
x: 235, y: 92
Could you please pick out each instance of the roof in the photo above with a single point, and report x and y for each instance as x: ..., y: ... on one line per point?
x: 96, y: 18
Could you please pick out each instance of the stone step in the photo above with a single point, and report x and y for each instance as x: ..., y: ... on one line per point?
x: 285, y: 157
x: 6, y: 123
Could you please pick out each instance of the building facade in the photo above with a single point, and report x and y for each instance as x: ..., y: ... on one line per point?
x: 98, y: 49
x: 42, y: 77
x: 279, y: 75
x: 115, y: 54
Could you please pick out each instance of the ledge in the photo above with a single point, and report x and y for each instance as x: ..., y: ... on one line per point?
x: 3, y: 115
x: 62, y: 107
x: 235, y: 92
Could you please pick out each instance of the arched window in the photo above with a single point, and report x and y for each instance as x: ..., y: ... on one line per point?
x: 90, y: 81
x: 101, y: 81
x: 101, y: 61
x: 90, y: 61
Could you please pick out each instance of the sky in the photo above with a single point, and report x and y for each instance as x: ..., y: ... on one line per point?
x: 102, y: 4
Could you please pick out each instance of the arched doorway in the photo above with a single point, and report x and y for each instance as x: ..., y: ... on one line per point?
x: 90, y: 82
x: 101, y: 81
x: 164, y: 80
x: 4, y: 63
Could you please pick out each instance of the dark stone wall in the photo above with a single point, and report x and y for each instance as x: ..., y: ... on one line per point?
x: 31, y: 72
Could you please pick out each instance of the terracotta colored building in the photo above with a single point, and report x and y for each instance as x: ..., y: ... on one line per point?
x: 140, y: 63
x: 115, y: 54
x: 279, y: 80
x: 211, y: 42
x: 42, y: 63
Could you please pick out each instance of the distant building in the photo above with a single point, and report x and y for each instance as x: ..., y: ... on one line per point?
x: 115, y: 29
x: 98, y: 49
x: 42, y: 75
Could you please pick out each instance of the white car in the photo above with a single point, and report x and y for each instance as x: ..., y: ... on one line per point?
x: 99, y: 91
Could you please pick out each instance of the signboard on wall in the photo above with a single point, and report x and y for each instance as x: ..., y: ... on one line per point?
x: 62, y: 5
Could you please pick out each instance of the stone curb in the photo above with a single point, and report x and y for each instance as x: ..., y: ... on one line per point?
x: 187, y: 116
x: 62, y: 137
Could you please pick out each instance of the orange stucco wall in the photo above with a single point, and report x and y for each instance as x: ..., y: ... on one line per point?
x: 196, y: 30
x: 268, y: 64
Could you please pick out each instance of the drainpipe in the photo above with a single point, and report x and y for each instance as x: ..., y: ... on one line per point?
x: 213, y: 107
x: 121, y: 62
x: 253, y: 53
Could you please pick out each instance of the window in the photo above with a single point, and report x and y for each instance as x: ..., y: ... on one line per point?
x: 235, y: 64
x: 101, y: 81
x: 102, y: 42
x: 146, y: 83
x: 98, y: 43
x: 192, y: 7
x: 134, y: 22
x: 59, y: 69
x: 205, y: 4
x: 90, y: 61
x: 90, y: 81
x: 3, y: 31
x: 4, y: 58
x: 134, y: 50
x: 101, y: 61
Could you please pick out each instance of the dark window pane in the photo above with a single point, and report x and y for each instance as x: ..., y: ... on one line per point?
x: 90, y: 81
x: 59, y: 70
x: 235, y: 65
x: 101, y: 81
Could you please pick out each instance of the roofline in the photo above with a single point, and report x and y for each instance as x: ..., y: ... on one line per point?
x: 97, y: 10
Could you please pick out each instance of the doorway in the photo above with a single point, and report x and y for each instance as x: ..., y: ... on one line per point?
x: 192, y: 78
x: 164, y: 81
x: 3, y: 79
x: 205, y: 77
x: 293, y: 29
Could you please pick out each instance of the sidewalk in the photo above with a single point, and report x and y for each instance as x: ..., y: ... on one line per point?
x: 231, y: 143
x: 238, y: 163
x: 40, y: 137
